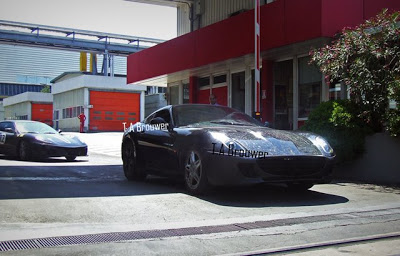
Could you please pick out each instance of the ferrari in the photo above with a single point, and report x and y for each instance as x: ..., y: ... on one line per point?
x: 30, y: 140
x: 209, y: 145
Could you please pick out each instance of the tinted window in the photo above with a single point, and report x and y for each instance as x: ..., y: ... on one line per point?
x: 208, y: 115
x: 34, y: 127
x: 5, y: 125
x: 164, y: 114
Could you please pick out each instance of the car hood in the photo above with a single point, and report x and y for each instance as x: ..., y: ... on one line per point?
x: 57, y: 139
x: 275, y: 142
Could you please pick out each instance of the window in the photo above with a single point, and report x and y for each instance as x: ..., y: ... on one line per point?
x: 309, y: 87
x: 73, y: 112
x: 283, y: 95
x: 5, y: 125
x: 220, y: 79
x: 204, y: 81
x: 185, y: 93
x: 162, y: 89
x: 56, y: 114
x: 164, y: 114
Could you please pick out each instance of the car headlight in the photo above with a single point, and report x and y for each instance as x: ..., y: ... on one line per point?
x: 322, y: 144
x: 227, y: 142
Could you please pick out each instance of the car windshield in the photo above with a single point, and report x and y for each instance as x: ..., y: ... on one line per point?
x: 210, y: 115
x: 34, y: 127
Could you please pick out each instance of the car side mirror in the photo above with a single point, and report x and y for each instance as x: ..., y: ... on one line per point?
x: 10, y: 130
x: 59, y: 131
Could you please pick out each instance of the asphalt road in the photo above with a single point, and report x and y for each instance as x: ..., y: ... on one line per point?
x: 54, y: 199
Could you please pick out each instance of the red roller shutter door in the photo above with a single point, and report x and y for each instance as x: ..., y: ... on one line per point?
x: 111, y: 109
x: 42, y: 113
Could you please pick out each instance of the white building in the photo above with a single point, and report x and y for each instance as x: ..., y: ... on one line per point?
x: 107, y: 102
x: 35, y: 106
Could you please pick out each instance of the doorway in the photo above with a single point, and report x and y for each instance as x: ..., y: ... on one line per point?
x: 283, y: 95
x: 238, y: 91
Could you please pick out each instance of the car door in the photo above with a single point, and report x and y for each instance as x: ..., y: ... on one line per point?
x: 8, y: 138
x: 156, y: 142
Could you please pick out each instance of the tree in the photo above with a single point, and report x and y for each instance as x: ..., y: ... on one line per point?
x: 367, y: 59
x: 46, y: 89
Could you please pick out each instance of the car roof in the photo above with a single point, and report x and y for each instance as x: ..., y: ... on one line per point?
x: 19, y: 121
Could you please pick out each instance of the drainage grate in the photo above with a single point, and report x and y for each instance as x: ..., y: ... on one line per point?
x: 37, y: 243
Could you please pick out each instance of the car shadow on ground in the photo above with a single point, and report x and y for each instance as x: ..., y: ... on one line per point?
x: 42, y: 160
x: 71, y: 181
x: 270, y: 195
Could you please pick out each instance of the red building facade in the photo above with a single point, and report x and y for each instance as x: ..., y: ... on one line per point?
x: 219, y: 58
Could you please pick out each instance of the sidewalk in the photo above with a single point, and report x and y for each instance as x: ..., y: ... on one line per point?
x: 105, y: 143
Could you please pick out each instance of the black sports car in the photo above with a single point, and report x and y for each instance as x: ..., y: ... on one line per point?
x: 31, y: 139
x: 208, y: 144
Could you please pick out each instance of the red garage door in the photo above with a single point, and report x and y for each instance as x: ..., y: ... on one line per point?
x: 43, y: 112
x: 111, y: 109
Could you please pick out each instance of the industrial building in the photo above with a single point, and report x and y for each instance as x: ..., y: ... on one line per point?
x: 214, y: 53
x: 107, y: 102
x: 35, y: 106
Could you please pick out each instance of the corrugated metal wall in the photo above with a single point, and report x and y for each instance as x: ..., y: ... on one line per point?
x: 21, y: 64
x: 183, y: 23
x: 215, y: 11
x: 208, y: 12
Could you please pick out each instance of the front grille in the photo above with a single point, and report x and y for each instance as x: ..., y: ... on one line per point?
x: 292, y: 166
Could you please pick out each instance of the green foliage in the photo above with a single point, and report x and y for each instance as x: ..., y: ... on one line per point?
x: 393, y: 122
x: 338, y: 122
x: 367, y: 59
x: 46, y: 89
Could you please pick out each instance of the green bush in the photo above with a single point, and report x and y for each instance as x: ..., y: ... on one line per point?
x: 338, y: 122
x: 393, y: 122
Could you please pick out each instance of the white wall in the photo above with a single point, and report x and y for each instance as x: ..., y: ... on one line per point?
x: 1, y: 111
x: 73, y: 98
x: 19, y: 109
x: 22, y: 64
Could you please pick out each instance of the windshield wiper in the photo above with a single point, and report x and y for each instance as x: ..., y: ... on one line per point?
x: 220, y: 122
x: 229, y: 123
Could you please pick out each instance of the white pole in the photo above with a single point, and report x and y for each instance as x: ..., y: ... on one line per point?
x: 257, y: 54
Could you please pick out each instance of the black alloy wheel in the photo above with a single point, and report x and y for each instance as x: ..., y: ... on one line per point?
x: 24, y: 151
x: 131, y: 169
x: 70, y: 158
x: 196, y: 181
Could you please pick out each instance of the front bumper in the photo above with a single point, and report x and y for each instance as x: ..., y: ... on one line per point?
x: 44, y: 150
x: 224, y: 169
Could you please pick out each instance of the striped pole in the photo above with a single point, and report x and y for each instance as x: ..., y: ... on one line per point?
x: 257, y: 54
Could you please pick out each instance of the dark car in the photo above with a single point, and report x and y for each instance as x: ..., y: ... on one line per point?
x: 30, y: 139
x: 216, y: 145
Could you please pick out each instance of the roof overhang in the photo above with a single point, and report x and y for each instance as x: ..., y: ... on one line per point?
x: 170, y: 3
x: 28, y: 97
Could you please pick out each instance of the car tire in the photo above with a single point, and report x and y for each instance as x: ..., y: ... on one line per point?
x: 70, y: 158
x: 299, y: 187
x: 24, y: 151
x: 196, y: 181
x: 129, y: 161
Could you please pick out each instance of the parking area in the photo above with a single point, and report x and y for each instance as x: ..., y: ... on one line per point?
x: 56, y: 198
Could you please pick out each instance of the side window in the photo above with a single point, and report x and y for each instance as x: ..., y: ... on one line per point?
x: 5, y: 125
x: 148, y: 119
x: 164, y: 114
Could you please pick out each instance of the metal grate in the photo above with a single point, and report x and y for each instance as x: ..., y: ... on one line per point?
x: 37, y: 243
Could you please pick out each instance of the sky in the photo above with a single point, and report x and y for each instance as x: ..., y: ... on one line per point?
x: 111, y: 16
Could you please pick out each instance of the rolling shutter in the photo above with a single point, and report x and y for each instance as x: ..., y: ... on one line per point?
x: 111, y: 109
